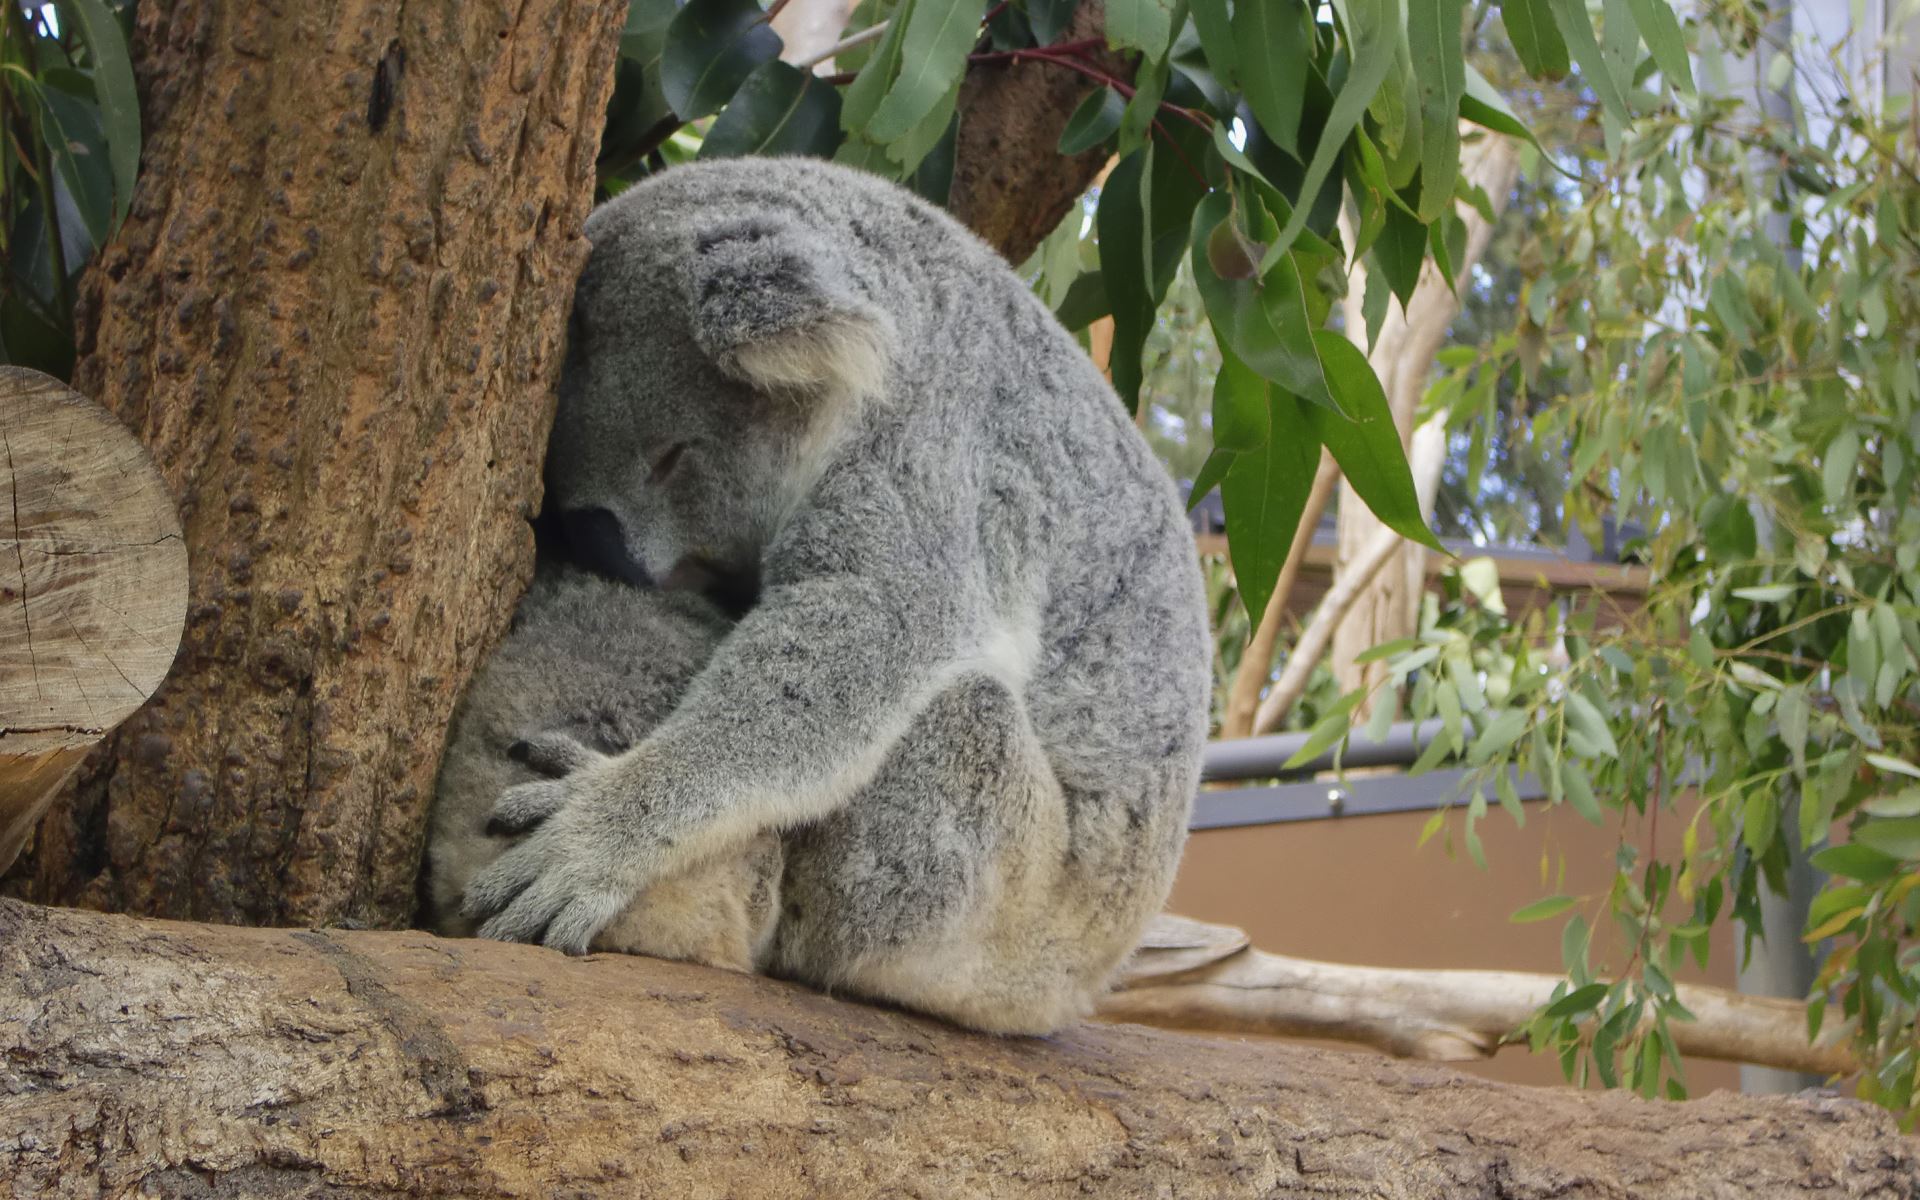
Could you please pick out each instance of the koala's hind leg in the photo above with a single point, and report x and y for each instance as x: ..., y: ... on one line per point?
x: 949, y: 884
x: 719, y: 912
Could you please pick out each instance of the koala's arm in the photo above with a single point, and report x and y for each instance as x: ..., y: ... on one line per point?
x: 795, y: 711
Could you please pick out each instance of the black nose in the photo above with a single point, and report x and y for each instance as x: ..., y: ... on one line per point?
x: 594, y: 541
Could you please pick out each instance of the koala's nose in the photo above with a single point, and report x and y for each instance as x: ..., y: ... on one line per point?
x: 595, y: 542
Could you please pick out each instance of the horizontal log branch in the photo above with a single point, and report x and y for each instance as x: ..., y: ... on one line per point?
x: 1195, y: 976
x: 159, y: 1059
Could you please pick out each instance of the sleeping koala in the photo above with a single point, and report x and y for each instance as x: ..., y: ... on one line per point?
x: 601, y: 663
x: 973, y: 692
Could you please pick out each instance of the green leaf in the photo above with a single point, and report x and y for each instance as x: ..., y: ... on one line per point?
x: 1365, y: 442
x: 1049, y: 19
x: 1136, y: 123
x: 1497, y: 735
x: 1898, y: 836
x: 1583, y: 717
x: 712, y: 46
x: 113, y: 87
x: 1274, y: 76
x: 1541, y: 910
x: 1898, y: 766
x: 1486, y: 107
x: 71, y: 127
x: 1772, y: 593
x: 1579, y: 1000
x: 1661, y: 31
x: 1759, y: 821
x: 1241, y: 413
x: 1375, y: 32
x: 1534, y: 38
x: 1579, y: 790
x: 1857, y: 861
x: 1433, y: 37
x: 1212, y: 23
x: 864, y: 94
x: 1085, y: 301
x: 1264, y: 493
x: 933, y: 57
x: 1093, y: 122
x: 1143, y: 25
x: 1509, y: 795
x: 780, y: 109
x: 1399, y: 251
x: 1905, y: 803
x: 1836, y: 467
x: 1577, y: 28
x: 1218, y: 463
x: 1329, y: 729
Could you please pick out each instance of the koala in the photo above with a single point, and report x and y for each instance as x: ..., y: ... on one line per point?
x: 600, y: 663
x: 972, y: 694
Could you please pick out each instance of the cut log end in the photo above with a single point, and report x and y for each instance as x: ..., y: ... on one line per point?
x: 93, y: 587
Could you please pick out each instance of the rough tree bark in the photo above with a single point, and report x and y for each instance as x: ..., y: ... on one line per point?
x: 334, y: 316
x: 1010, y: 184
x: 397, y: 1064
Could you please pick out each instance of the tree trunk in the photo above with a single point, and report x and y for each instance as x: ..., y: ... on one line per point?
x: 1389, y: 608
x: 398, y: 1064
x: 1010, y: 184
x: 335, y: 317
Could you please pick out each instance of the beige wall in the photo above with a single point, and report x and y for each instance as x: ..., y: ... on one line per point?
x: 1355, y: 889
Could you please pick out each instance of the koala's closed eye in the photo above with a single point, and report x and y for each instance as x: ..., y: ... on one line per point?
x: 664, y: 465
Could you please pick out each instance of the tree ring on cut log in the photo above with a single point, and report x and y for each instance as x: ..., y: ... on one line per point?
x: 93, y: 587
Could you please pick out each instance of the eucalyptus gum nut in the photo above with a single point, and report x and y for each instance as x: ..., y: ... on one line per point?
x: 1229, y: 255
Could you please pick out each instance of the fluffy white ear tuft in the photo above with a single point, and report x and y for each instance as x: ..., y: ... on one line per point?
x: 843, y: 355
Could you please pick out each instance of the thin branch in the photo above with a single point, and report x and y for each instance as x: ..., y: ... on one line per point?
x: 1195, y: 976
x: 870, y: 33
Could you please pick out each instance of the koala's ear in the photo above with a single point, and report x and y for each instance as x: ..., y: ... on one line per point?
x: 772, y: 307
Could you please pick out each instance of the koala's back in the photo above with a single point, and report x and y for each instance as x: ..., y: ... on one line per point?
x: 998, y: 488
x: 600, y: 661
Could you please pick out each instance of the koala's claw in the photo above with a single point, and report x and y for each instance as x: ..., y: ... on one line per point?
x: 554, y: 754
x: 526, y: 805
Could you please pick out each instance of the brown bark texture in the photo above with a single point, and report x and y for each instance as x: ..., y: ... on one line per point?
x: 1010, y: 183
x: 93, y: 588
x: 158, y: 1059
x: 334, y: 316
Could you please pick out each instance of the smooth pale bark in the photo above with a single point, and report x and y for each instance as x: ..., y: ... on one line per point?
x: 159, y: 1059
x: 335, y: 317
x: 1403, y: 358
x: 93, y: 588
x: 1197, y: 976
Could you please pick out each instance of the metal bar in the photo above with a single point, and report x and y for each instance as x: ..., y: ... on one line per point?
x: 1320, y: 799
x: 1265, y: 757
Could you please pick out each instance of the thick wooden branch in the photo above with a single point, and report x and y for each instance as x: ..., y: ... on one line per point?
x: 1195, y: 976
x: 152, y: 1058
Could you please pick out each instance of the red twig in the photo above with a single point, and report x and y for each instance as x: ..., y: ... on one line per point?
x: 1184, y: 160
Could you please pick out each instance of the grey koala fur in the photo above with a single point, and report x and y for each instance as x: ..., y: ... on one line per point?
x: 600, y: 664
x: 973, y: 693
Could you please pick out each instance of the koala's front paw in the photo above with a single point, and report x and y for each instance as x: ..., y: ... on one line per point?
x: 587, y: 860
x: 555, y: 755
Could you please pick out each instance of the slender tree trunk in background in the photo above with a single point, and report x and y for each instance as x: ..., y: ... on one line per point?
x: 809, y: 28
x: 334, y: 317
x: 1255, y: 671
x: 1010, y: 184
x: 1403, y: 358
